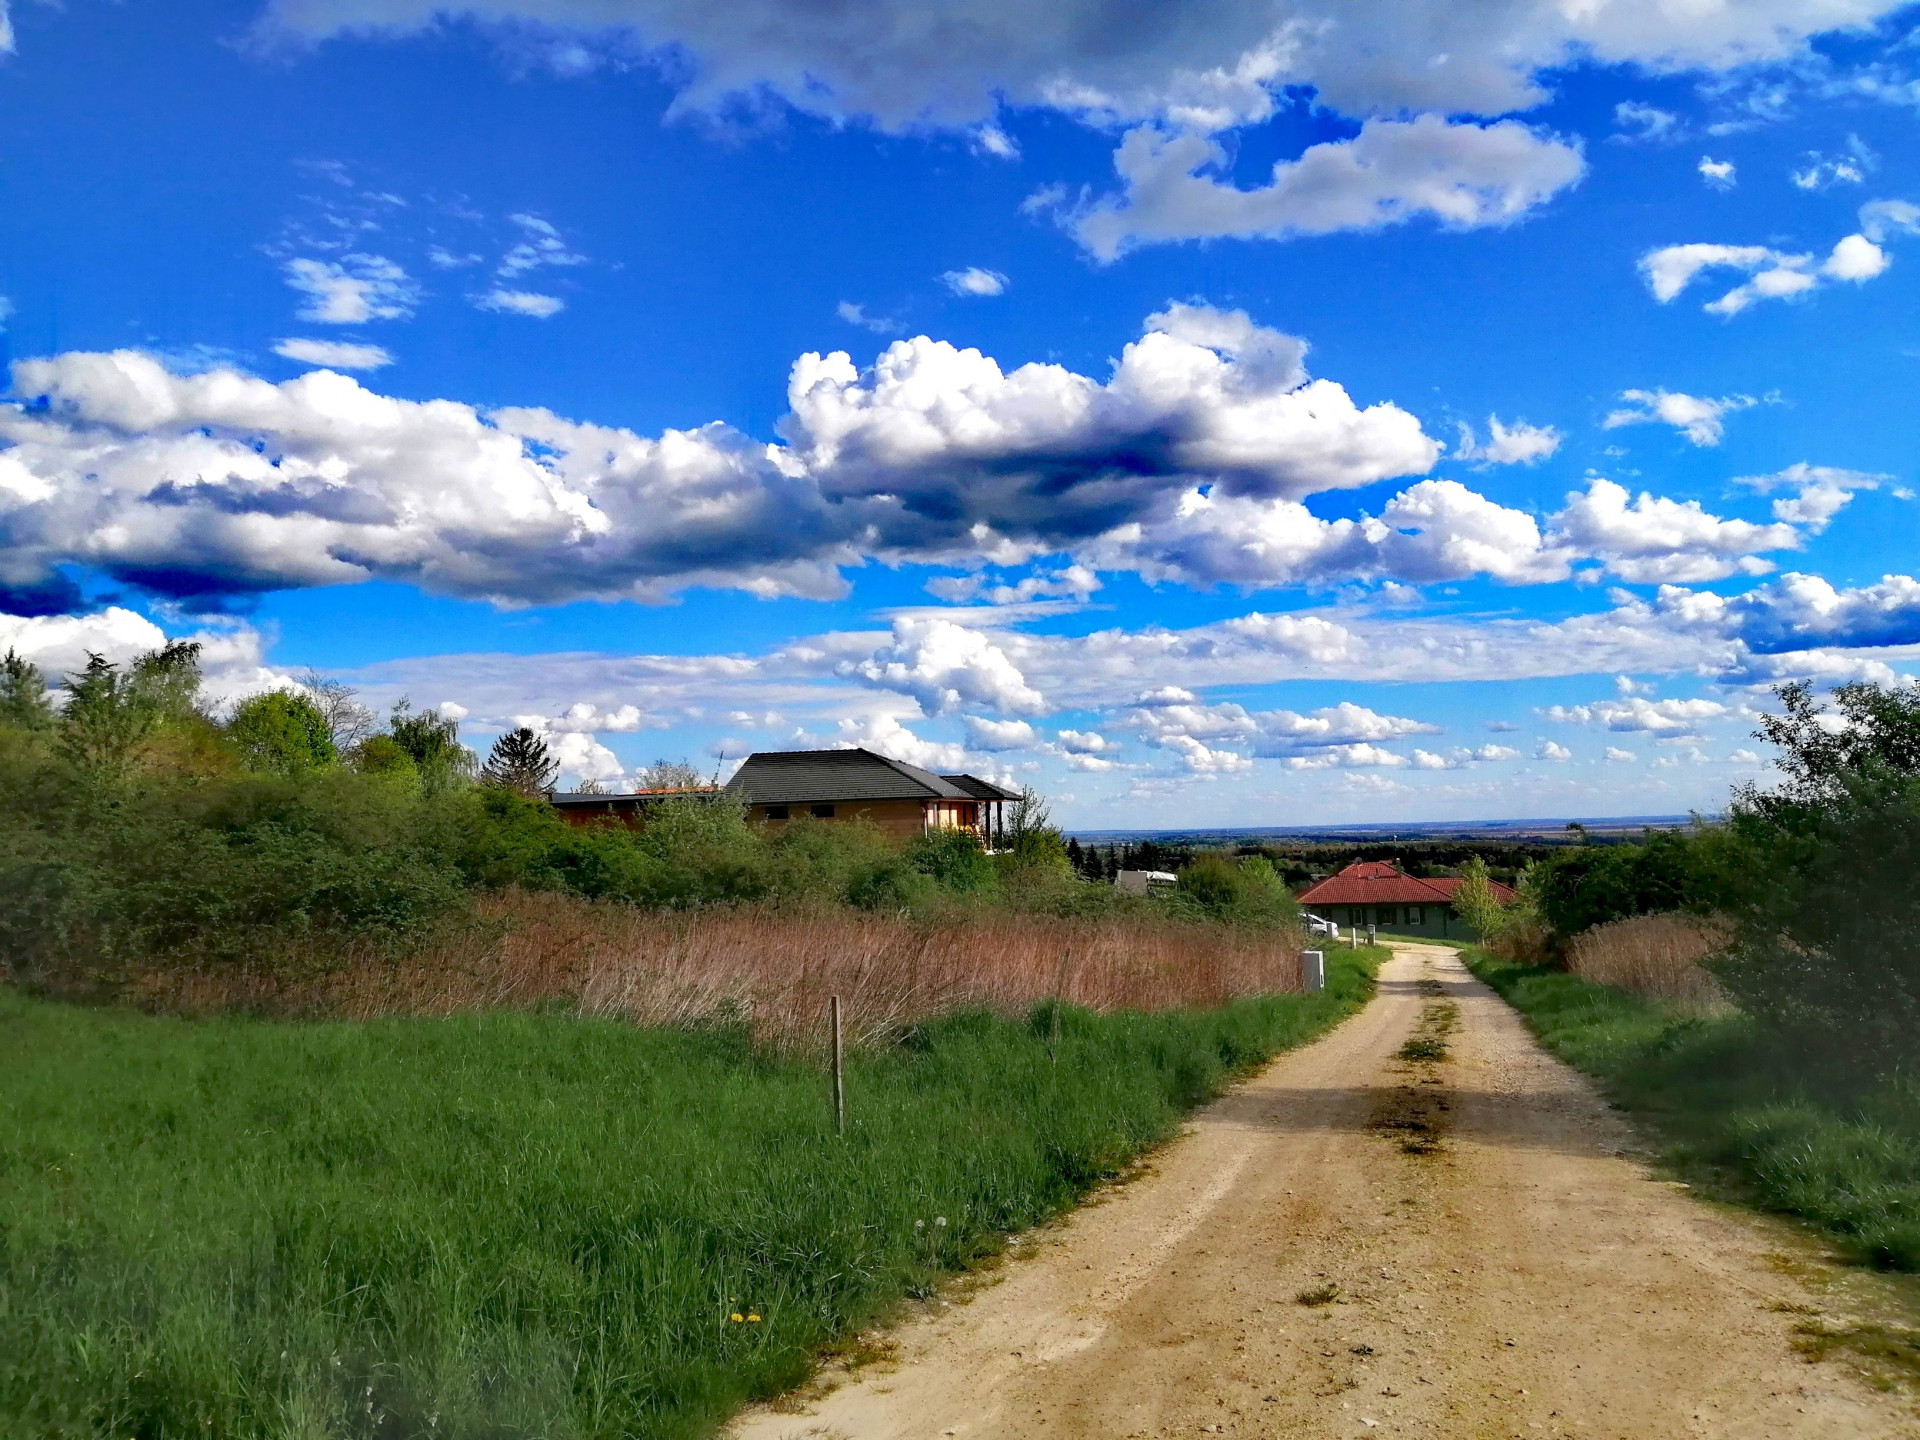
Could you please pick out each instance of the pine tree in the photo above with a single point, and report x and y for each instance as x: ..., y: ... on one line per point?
x: 519, y: 762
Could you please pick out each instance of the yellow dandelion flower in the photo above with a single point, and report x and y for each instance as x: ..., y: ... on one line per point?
x: 753, y: 1319
x: 737, y: 1317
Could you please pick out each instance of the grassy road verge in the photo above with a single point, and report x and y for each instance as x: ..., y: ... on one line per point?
x: 1745, y: 1114
x: 528, y: 1224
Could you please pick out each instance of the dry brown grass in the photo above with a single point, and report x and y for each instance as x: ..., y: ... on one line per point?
x: 1654, y: 955
x: 772, y: 969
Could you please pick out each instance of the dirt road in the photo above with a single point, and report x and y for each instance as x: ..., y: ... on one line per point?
x: 1361, y: 1244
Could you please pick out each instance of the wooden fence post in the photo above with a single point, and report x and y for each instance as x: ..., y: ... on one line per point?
x: 839, y: 1070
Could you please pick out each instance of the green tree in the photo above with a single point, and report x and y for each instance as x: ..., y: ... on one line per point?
x: 1828, y: 916
x: 106, y: 719
x: 432, y: 741
x: 283, y: 733
x: 519, y: 762
x: 1475, y: 903
x: 24, y: 699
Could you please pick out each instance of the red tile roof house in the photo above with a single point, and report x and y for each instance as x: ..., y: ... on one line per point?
x: 1379, y: 894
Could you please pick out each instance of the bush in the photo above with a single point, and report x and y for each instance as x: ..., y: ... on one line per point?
x: 1594, y: 884
x: 1831, y: 944
x: 281, y: 733
x: 955, y: 860
x: 1248, y: 893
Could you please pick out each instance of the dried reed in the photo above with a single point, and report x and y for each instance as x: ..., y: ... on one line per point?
x: 771, y: 969
x: 1653, y: 955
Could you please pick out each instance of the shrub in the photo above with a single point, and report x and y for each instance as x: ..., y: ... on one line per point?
x: 282, y: 733
x: 1248, y: 893
x: 954, y: 859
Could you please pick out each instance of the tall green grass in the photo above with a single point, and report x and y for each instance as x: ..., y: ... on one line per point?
x: 527, y: 1224
x: 1757, y: 1117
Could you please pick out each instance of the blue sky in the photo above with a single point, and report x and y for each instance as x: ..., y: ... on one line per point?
x: 1101, y: 399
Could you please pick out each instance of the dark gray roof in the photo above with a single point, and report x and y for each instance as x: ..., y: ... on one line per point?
x: 575, y: 800
x: 803, y: 777
x: 981, y: 789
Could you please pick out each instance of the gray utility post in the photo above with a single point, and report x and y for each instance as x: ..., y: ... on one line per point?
x: 1313, y: 970
x: 1372, y: 938
x: 839, y: 1070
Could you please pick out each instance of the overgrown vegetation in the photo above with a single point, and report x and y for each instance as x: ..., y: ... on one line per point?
x: 137, y: 828
x: 1804, y: 909
x: 1754, y: 1114
x: 520, y: 1224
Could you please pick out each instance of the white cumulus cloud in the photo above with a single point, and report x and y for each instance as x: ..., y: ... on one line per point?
x: 1462, y: 174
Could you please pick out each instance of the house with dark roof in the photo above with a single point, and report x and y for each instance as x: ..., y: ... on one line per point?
x: 1382, y: 895
x: 905, y: 801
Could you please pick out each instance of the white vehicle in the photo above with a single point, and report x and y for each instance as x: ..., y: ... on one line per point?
x: 1321, y: 929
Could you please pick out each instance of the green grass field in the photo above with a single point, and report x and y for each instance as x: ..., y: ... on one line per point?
x: 1746, y: 1114
x: 521, y: 1225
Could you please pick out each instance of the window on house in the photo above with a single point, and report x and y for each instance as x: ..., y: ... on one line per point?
x: 776, y: 812
x: 823, y: 812
x: 1416, y: 914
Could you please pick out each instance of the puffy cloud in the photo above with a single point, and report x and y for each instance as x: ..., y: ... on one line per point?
x: 1637, y: 713
x: 232, y: 658
x: 1694, y: 416
x: 1517, y: 444
x: 1558, y: 754
x: 1190, y: 463
x: 1351, y: 757
x: 1718, y: 174
x: 333, y: 354
x: 1821, y: 492
x: 945, y: 666
x: 520, y: 302
x: 1085, y: 742
x: 353, y: 291
x: 1437, y: 530
x: 1462, y: 174
x: 954, y: 451
x: 953, y: 63
x: 975, y: 281
x: 1617, y: 756
x: 581, y: 757
x: 1462, y: 757
x: 6, y: 29
x: 1798, y: 612
x: 1652, y: 540
x: 586, y: 718
x: 221, y: 483
x: 886, y: 735
x: 1205, y: 736
x: 984, y: 734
